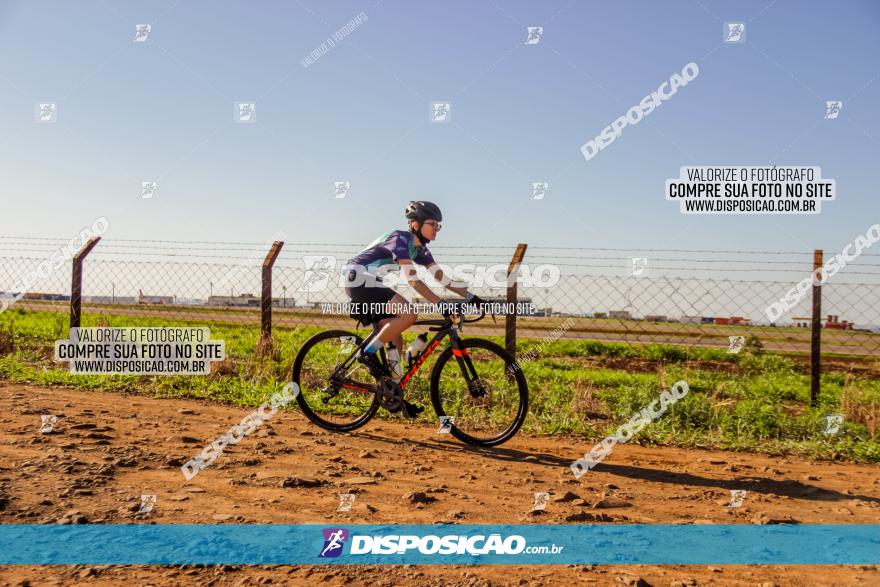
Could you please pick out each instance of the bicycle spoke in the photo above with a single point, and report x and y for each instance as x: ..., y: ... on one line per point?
x: 336, y: 397
x: 490, y: 405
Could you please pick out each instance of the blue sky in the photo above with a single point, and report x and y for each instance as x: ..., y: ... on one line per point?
x: 163, y: 110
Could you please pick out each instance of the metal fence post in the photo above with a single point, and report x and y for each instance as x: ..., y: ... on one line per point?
x: 816, y: 339
x: 76, y: 281
x: 510, y: 324
x: 268, y: 262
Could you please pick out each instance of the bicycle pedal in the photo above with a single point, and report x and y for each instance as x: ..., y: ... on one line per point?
x: 411, y: 410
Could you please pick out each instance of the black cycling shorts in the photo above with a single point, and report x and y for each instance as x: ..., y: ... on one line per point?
x: 365, y: 301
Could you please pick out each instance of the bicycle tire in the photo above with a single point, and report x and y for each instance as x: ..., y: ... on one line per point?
x: 311, y: 413
x: 510, y: 365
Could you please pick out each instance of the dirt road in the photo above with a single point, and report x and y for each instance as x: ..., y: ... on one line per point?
x: 107, y: 449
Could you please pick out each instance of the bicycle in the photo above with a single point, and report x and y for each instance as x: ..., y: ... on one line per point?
x: 481, y: 397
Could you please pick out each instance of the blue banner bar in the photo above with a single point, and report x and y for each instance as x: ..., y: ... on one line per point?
x: 151, y: 544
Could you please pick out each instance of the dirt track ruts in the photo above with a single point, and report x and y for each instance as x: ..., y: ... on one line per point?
x: 108, y: 449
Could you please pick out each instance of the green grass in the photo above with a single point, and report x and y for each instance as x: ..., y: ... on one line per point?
x: 752, y: 401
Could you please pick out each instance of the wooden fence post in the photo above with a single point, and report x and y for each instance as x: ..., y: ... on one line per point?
x: 76, y: 281
x: 266, y: 294
x: 816, y: 338
x: 510, y: 324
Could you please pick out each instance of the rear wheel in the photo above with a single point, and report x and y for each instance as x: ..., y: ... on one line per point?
x: 483, y: 390
x: 340, y: 403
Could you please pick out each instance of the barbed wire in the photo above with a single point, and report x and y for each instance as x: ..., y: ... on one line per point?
x: 145, y: 243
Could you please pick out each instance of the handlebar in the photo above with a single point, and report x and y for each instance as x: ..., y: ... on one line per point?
x: 447, y: 322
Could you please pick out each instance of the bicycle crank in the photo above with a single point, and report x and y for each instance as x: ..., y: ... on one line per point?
x: 390, y: 395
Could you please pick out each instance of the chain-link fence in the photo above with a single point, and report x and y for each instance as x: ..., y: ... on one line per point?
x: 714, y: 299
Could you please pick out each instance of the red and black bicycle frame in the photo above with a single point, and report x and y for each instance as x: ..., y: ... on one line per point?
x: 460, y: 354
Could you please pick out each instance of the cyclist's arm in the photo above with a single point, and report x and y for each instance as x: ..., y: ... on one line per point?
x: 407, y: 267
x: 438, y: 275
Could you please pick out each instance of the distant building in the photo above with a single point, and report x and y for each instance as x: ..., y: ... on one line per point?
x: 620, y: 314
x: 188, y: 301
x: 145, y: 299
x: 242, y: 300
x: 600, y: 315
x: 690, y: 319
x: 707, y: 319
x: 284, y: 302
x: 733, y: 320
x: 109, y: 299
x: 46, y: 297
x: 655, y: 318
x: 833, y: 323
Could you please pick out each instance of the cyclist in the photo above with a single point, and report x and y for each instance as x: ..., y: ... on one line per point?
x: 400, y: 249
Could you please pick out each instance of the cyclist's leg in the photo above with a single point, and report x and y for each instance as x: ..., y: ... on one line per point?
x: 391, y: 329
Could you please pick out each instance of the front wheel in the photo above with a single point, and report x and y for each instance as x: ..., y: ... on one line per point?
x: 483, y: 390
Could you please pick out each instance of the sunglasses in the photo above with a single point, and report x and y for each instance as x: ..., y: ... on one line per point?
x: 433, y: 223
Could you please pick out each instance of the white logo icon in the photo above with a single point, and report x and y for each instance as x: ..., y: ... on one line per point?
x: 734, y: 32
x: 441, y: 111
x: 47, y: 423
x: 446, y: 423
x: 46, y: 111
x: 736, y: 344
x: 539, y: 189
x: 148, y: 189
x: 346, y: 500
x: 832, y: 109
x: 341, y: 189
x: 147, y: 503
x: 639, y: 266
x: 832, y: 424
x: 736, y: 497
x: 541, y: 501
x: 534, y: 35
x: 141, y: 32
x: 318, y: 270
x: 334, y: 543
x: 245, y: 112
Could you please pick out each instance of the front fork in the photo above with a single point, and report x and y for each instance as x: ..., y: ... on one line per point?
x: 463, y: 358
